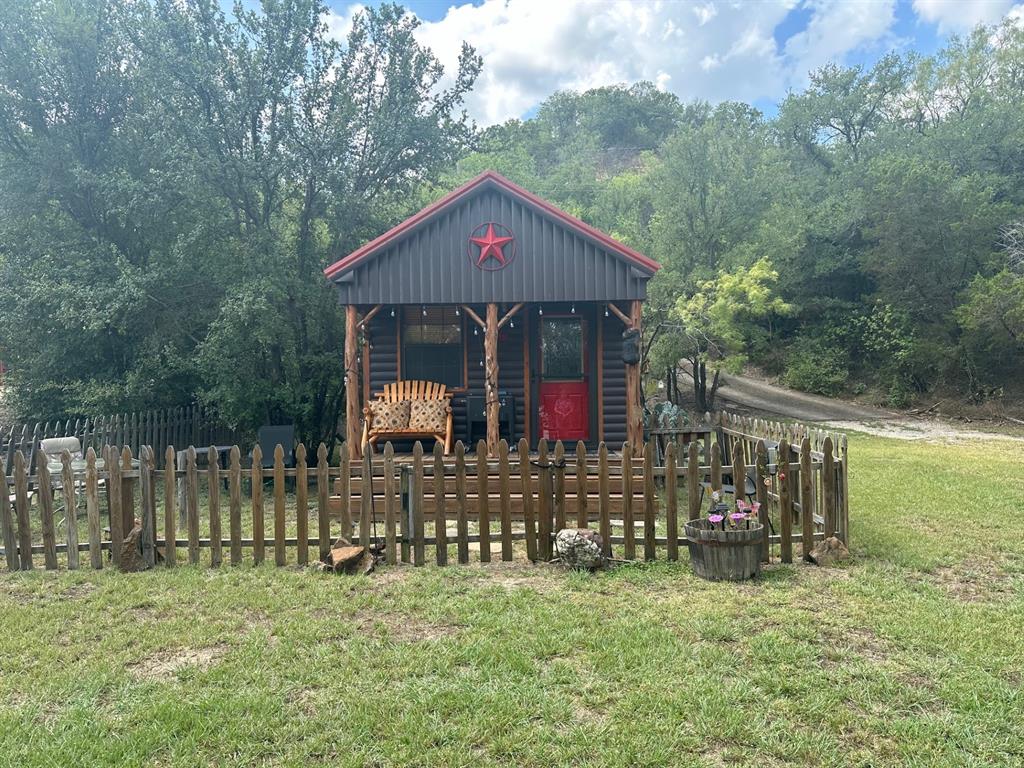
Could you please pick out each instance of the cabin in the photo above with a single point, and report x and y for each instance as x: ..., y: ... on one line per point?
x: 528, y: 317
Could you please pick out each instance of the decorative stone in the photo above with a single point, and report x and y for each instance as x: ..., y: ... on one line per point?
x: 827, y: 552
x: 579, y: 548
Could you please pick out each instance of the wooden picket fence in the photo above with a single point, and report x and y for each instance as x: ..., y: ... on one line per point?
x: 407, y: 505
x: 187, y: 425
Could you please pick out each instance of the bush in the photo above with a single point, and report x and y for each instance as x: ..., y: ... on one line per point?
x: 813, y: 366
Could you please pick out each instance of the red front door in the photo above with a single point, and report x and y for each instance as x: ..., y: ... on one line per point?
x: 564, y: 388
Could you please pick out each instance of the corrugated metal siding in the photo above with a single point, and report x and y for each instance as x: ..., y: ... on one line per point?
x: 432, y: 265
x: 614, y: 395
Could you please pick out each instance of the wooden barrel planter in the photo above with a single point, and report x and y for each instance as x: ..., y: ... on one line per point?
x: 729, y: 555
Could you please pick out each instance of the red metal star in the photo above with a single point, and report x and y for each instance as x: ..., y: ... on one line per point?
x: 490, y: 246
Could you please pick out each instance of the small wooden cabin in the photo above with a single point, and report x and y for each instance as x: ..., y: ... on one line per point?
x: 518, y: 308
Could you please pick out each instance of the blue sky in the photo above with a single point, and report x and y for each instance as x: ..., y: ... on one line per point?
x: 709, y: 49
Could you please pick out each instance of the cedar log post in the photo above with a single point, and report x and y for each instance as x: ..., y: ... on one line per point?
x: 634, y: 407
x: 493, y: 406
x: 352, y: 434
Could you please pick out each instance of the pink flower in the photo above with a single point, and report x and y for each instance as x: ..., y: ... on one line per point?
x: 755, y: 508
x: 741, y: 505
x: 735, y: 517
x: 715, y: 519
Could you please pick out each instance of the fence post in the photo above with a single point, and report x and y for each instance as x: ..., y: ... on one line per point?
x: 650, y: 550
x: 213, y: 490
x: 806, y: 497
x: 235, y: 505
x: 192, y: 505
x: 21, y: 511
x: 301, y: 504
x: 559, y: 478
x: 693, y: 482
x: 582, y: 513
x: 323, y: 492
x: 279, y: 531
x: 116, y: 519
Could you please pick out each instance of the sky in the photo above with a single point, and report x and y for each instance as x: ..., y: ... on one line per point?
x: 753, y: 51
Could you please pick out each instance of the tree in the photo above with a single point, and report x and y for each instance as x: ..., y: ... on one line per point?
x: 724, y: 319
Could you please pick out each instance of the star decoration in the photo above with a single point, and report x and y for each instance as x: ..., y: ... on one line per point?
x: 491, y: 246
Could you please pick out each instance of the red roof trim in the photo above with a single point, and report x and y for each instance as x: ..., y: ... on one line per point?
x: 378, y: 243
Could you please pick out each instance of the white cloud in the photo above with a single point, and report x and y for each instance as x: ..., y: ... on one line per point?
x: 961, y: 15
x: 713, y: 49
x: 340, y: 24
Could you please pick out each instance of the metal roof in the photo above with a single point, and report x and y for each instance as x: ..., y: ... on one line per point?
x: 429, y: 258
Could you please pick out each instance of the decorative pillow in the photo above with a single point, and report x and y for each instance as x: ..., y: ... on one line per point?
x: 428, y: 415
x: 388, y: 417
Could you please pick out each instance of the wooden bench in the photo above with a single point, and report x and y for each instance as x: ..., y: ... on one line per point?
x: 410, y: 390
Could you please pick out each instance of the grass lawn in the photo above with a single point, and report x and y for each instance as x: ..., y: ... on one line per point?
x: 912, y: 654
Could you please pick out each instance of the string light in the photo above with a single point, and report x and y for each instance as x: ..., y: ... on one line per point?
x: 572, y: 310
x: 476, y: 331
x: 606, y: 310
x: 424, y: 310
x: 540, y: 310
x: 511, y: 323
x: 392, y: 311
x: 457, y: 312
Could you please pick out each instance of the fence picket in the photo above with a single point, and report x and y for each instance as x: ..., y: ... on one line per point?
x: 628, y: 528
x: 366, y: 497
x: 693, y: 479
x: 828, y: 487
x: 582, y: 513
x: 505, y: 492
x: 70, y: 509
x: 170, y: 513
x: 483, y: 502
x: 390, y: 504
x: 148, y: 501
x: 279, y: 522
x: 806, y: 496
x: 192, y: 505
x: 114, y: 498
x: 213, y: 491
x: 785, y: 503
x: 21, y: 511
x: 559, y: 479
x: 301, y: 505
x: 671, y: 503
x: 419, y: 554
x: 529, y: 523
x: 345, y: 492
x: 604, y: 520
x: 7, y: 523
x: 761, y: 480
x: 716, y: 467
x: 440, y: 516
x: 127, y: 491
x: 45, y: 489
x: 323, y: 497
x: 259, y: 551
x: 92, y: 509
x: 544, y: 501
x: 650, y: 552
x: 235, y: 504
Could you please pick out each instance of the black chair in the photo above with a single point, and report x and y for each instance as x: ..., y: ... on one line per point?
x: 270, y: 436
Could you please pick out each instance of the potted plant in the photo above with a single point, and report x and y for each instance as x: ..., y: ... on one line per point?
x: 726, y: 545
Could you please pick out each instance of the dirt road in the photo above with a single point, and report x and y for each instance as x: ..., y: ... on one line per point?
x: 744, y: 393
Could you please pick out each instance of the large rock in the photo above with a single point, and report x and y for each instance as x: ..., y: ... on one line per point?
x: 131, y: 551
x: 579, y: 548
x: 827, y: 552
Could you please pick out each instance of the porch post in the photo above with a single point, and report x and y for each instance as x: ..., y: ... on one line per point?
x: 634, y: 409
x: 352, y: 404
x: 493, y: 406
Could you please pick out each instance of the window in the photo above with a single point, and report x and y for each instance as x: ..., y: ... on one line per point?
x: 432, y: 345
x: 562, y: 348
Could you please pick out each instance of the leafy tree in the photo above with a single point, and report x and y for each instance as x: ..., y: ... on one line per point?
x: 725, y: 318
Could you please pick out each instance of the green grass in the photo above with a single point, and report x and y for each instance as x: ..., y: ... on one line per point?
x: 912, y: 654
